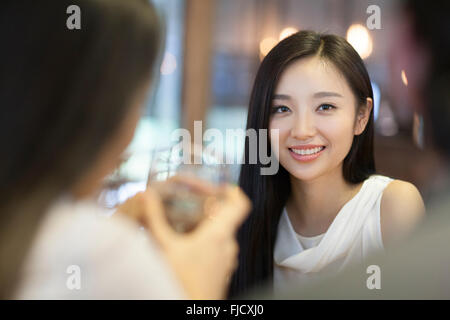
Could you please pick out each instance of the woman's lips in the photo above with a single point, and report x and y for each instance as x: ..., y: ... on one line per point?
x: 306, y: 157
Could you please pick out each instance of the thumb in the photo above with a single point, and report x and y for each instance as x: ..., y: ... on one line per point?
x: 156, y: 219
x: 231, y: 210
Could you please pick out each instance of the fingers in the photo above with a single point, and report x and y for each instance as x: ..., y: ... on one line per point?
x: 155, y: 218
x: 233, y: 250
x: 226, y: 209
x: 232, y: 210
x: 132, y: 208
x: 232, y: 259
x: 242, y: 205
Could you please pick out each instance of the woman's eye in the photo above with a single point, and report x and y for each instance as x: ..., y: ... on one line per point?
x: 326, y: 107
x: 280, y: 109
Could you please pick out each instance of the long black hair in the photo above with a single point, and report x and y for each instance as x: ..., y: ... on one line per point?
x: 269, y: 193
x: 63, y: 93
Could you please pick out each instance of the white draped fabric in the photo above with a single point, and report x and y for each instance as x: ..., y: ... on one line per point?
x: 354, y: 234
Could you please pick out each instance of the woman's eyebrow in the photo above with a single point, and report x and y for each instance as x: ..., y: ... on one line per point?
x: 281, y: 97
x: 323, y: 94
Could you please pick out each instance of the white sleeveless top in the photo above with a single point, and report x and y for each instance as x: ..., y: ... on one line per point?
x: 354, y: 234
x: 309, y: 242
x: 111, y: 256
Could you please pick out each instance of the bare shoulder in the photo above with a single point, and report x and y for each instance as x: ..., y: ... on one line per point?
x: 402, y: 208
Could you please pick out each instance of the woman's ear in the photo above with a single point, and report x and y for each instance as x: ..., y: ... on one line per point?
x: 362, y: 116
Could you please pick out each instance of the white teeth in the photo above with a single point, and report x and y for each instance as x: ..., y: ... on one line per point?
x: 307, y: 151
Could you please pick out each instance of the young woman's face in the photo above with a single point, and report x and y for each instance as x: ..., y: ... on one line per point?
x: 314, y: 110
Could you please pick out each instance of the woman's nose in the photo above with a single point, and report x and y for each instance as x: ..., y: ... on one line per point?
x: 303, y: 127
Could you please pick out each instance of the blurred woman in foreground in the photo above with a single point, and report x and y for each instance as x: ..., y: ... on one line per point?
x: 71, y: 100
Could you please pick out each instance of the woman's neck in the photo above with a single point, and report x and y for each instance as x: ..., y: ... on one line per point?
x: 313, y: 205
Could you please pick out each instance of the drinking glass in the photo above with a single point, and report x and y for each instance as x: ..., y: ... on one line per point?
x: 190, y: 171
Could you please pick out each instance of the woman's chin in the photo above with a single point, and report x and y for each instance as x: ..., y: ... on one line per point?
x: 304, y: 175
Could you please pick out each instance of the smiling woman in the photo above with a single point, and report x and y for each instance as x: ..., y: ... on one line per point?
x: 318, y: 119
x: 321, y: 211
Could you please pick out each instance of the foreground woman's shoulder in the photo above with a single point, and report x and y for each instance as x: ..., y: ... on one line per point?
x: 401, y: 209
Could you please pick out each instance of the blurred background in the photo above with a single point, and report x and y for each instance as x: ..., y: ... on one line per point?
x: 213, y: 49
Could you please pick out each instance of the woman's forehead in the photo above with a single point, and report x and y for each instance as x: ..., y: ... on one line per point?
x: 311, y: 75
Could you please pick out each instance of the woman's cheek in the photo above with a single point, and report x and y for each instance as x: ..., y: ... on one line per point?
x: 277, y: 137
x: 340, y: 136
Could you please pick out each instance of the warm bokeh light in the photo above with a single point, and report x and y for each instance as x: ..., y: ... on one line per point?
x: 266, y: 45
x: 404, y: 78
x: 358, y: 36
x: 169, y: 64
x: 286, y: 32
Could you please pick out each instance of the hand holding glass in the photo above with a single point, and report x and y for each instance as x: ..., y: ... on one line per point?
x: 189, y: 180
